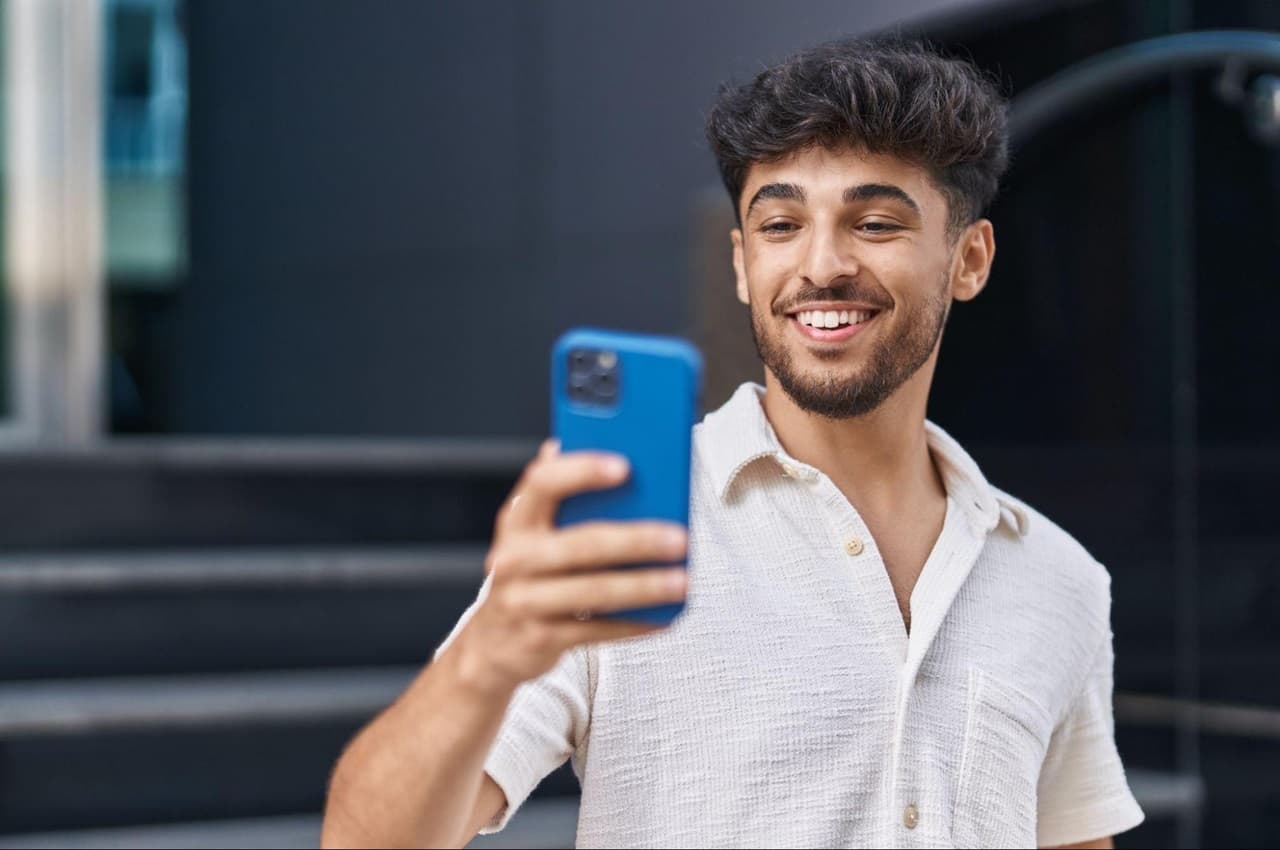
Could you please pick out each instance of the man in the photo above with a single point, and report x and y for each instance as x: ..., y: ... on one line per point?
x: 880, y: 648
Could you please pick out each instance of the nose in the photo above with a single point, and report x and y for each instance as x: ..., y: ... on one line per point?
x: 826, y: 260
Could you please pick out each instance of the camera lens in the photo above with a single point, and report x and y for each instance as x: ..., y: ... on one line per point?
x: 581, y: 360
x: 604, y: 385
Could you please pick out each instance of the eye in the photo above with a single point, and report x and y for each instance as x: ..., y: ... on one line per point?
x: 778, y: 227
x: 880, y: 227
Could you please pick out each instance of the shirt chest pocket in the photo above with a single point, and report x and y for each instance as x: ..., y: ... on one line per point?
x: 1006, y: 737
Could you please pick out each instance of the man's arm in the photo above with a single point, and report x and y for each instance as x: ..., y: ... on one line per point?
x: 415, y: 776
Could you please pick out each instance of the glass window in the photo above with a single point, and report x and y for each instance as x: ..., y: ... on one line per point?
x: 145, y: 121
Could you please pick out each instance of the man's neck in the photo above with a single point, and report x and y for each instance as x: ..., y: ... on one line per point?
x: 880, y: 461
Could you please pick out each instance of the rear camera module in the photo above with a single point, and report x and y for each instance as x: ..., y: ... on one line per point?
x: 594, y: 377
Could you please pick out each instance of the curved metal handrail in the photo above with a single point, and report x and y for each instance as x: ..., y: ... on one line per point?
x: 1127, y: 67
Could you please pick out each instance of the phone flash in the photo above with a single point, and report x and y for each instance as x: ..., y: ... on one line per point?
x: 607, y: 360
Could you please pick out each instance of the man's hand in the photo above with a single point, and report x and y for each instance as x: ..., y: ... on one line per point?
x: 548, y: 582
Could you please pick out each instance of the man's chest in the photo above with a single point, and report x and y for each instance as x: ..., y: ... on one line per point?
x: 804, y: 643
x: 793, y: 626
x: 904, y: 545
x: 757, y: 714
x: 789, y: 683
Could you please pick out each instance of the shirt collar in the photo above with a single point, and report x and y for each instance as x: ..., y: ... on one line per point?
x: 738, y: 434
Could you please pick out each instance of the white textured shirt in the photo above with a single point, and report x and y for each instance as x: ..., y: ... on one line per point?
x: 789, y: 706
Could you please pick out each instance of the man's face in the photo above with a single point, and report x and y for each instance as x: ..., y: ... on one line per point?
x: 845, y: 261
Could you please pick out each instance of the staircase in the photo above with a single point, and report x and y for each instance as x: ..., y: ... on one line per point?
x: 192, y: 632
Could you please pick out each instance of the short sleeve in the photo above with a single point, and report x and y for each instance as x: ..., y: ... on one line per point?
x: 1083, y: 794
x: 544, y: 724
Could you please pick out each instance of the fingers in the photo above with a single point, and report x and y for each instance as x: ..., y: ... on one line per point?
x: 544, y: 576
x: 587, y: 546
x: 551, y: 478
x: 594, y: 545
x: 563, y: 596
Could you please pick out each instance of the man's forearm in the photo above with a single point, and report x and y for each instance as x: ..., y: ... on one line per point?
x: 413, y: 776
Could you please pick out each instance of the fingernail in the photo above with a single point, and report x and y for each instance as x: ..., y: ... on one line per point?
x: 549, y: 447
x: 615, y: 467
x: 675, y: 539
x: 677, y: 580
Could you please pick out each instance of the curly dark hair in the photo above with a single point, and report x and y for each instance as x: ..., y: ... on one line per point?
x: 881, y: 95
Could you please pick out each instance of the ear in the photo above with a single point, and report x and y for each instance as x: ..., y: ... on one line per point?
x: 975, y: 251
x: 739, y: 266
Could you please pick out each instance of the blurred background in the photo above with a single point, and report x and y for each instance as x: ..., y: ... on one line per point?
x: 279, y: 284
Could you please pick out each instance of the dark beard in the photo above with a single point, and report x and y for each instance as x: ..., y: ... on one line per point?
x: 888, y: 366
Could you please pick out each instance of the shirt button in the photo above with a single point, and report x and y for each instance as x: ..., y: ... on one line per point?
x: 790, y: 471
x: 910, y: 816
x: 853, y: 546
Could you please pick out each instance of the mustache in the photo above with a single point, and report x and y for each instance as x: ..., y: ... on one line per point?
x: 811, y: 294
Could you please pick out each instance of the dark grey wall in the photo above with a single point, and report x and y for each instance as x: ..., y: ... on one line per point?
x: 396, y: 206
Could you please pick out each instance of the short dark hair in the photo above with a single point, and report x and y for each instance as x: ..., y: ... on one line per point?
x: 881, y: 95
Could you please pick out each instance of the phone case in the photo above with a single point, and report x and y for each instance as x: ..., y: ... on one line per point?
x: 651, y: 424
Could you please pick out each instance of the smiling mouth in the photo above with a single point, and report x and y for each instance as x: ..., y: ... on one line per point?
x: 832, y: 325
x: 833, y: 319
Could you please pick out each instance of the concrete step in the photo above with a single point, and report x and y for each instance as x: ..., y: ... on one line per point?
x: 32, y: 710
x: 130, y: 494
x: 71, y: 615
x: 241, y: 568
x: 549, y: 823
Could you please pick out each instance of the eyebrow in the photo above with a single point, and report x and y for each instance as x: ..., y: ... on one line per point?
x: 852, y: 195
x: 883, y: 191
x: 777, y: 192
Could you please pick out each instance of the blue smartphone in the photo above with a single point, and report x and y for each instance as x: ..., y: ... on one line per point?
x: 636, y: 395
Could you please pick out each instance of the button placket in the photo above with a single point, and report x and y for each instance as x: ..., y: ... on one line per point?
x: 875, y: 587
x: 909, y: 782
x: 857, y: 548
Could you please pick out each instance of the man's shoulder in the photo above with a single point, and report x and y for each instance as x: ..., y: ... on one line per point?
x: 1060, y: 561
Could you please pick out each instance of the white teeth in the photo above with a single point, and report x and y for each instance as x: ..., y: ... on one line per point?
x: 833, y: 318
